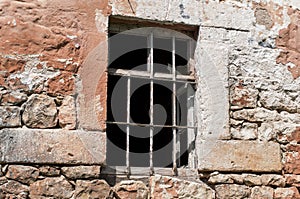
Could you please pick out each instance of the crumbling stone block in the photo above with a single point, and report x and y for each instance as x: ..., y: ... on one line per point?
x: 168, y: 187
x: 40, y: 112
x: 286, y: 193
x: 23, y: 174
x: 49, y: 171
x: 232, y: 191
x: 57, y: 187
x: 261, y: 192
x: 10, y: 116
x: 273, y: 180
x: 67, y: 113
x: 131, y: 189
x: 81, y: 172
x: 92, y: 189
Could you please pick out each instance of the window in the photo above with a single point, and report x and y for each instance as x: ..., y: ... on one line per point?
x: 150, y: 117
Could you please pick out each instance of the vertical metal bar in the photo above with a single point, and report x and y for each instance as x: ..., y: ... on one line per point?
x: 190, y: 111
x: 127, y: 127
x: 151, y: 104
x: 174, y: 106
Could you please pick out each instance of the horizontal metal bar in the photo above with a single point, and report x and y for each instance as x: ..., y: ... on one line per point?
x: 145, y: 171
x: 147, y: 75
x: 154, y: 125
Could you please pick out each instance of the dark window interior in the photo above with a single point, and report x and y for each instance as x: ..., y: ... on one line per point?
x: 131, y: 52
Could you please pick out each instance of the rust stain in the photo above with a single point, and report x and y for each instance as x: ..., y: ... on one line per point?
x: 289, y: 41
x: 295, y: 136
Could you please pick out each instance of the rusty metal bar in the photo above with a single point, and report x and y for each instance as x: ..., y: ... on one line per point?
x: 151, y: 104
x: 174, y: 107
x: 154, y: 125
x: 127, y: 126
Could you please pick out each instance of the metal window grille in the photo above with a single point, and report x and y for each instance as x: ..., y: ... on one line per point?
x: 173, y: 78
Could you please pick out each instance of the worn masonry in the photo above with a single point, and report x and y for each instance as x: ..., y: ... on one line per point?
x: 53, y: 99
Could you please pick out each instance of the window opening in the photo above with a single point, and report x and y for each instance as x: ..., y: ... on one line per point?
x: 150, y: 119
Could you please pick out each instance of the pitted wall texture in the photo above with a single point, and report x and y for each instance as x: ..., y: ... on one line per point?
x: 53, y: 81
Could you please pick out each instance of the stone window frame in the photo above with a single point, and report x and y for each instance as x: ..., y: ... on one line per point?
x: 186, y: 32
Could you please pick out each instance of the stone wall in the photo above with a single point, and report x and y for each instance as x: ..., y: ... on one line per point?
x: 53, y: 60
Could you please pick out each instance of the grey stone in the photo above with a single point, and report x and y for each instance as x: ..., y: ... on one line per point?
x: 241, y: 156
x: 232, y: 191
x: 81, y: 172
x: 256, y: 115
x: 266, y: 132
x: 168, y: 187
x: 131, y: 189
x: 273, y: 180
x: 220, y: 179
x: 10, y: 116
x: 251, y: 179
x: 40, y: 112
x: 52, y: 146
x: 247, y: 131
x: 92, y: 189
x: 278, y: 100
x: 49, y: 171
x: 261, y: 192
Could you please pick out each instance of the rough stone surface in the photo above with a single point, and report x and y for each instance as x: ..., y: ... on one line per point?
x: 273, y: 180
x: 256, y: 115
x: 293, y: 180
x: 49, y: 171
x: 292, y: 160
x: 246, y: 131
x: 251, y: 179
x: 10, y: 116
x: 167, y: 187
x: 14, y: 187
x: 92, y: 189
x: 40, y: 112
x: 263, y: 18
x: 220, y: 179
x: 131, y: 189
x: 232, y: 191
x: 242, y: 156
x: 23, y: 174
x: 63, y: 84
x: 81, y: 172
x: 3, y: 180
x: 261, y: 192
x: 60, y: 147
x: 288, y: 41
x: 266, y: 132
x: 286, y: 193
x: 243, y: 96
x: 57, y: 187
x: 67, y: 113
x: 247, y: 71
x: 1, y: 173
x: 13, y: 98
